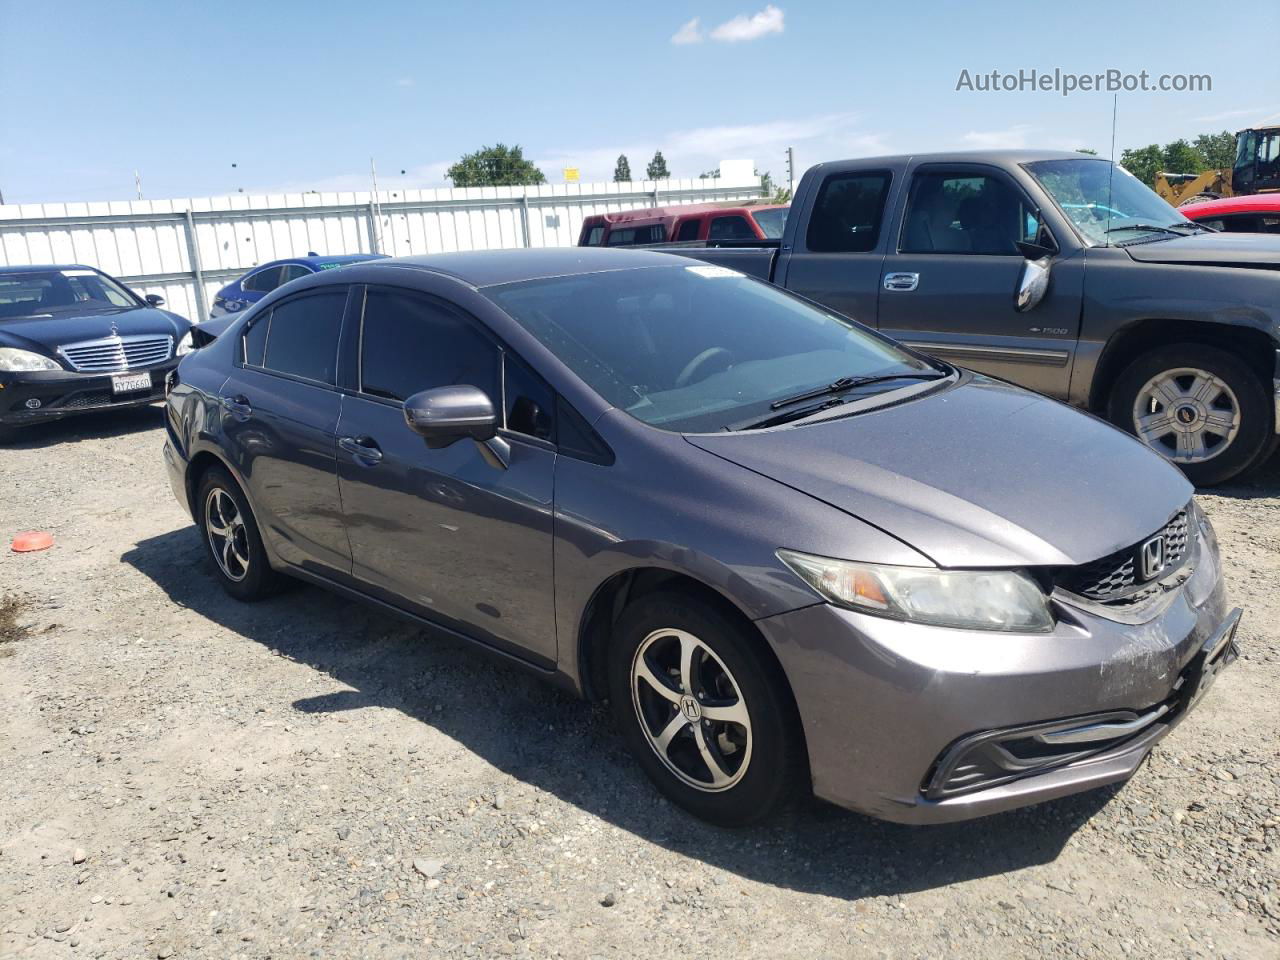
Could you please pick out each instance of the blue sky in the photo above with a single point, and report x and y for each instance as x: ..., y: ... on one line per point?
x: 299, y: 96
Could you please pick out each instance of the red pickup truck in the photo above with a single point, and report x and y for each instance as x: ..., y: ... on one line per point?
x: 691, y: 222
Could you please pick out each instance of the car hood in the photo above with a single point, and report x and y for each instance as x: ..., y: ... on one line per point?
x: 50, y: 330
x: 983, y: 474
x: 1212, y: 249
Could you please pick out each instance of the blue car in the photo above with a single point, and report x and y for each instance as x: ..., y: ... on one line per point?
x: 260, y: 281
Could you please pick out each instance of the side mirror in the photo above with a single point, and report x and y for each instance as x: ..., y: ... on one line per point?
x: 154, y: 299
x: 1033, y: 284
x: 447, y: 414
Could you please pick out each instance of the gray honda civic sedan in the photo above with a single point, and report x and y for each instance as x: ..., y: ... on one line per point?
x: 791, y: 553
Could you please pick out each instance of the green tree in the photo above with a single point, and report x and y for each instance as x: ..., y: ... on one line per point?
x: 1180, y: 157
x: 1143, y: 162
x: 496, y: 166
x: 622, y: 170
x: 1218, y: 150
x: 657, y: 169
x: 1092, y: 153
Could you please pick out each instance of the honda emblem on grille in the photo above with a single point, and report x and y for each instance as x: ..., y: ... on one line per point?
x: 1151, y: 557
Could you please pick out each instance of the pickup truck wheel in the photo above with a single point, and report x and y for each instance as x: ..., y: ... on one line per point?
x: 1200, y: 407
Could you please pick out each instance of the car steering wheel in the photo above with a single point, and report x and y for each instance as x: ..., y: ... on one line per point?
x: 701, y: 360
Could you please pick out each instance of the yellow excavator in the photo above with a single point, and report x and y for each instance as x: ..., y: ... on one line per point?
x: 1256, y: 170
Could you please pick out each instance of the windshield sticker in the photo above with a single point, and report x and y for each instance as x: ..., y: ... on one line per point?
x: 710, y: 271
x: 78, y: 273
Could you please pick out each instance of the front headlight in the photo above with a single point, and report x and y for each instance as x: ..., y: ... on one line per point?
x: 971, y: 599
x: 11, y: 358
x: 185, y: 345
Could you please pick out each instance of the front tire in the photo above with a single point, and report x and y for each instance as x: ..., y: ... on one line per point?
x: 231, y: 538
x: 704, y: 711
x: 1200, y: 407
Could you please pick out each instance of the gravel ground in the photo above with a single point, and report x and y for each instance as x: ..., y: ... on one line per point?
x: 181, y: 776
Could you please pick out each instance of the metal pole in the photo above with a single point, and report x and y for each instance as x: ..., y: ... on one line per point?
x: 193, y: 251
x: 372, y: 213
x: 377, y: 206
x: 524, y: 217
x: 137, y: 182
x: 791, y: 171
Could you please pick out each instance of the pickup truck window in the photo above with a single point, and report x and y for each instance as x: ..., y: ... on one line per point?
x: 730, y: 228
x: 848, y: 212
x: 630, y: 236
x: 1105, y: 207
x: 595, y: 237
x: 771, y: 222
x: 689, y: 229
x: 963, y: 213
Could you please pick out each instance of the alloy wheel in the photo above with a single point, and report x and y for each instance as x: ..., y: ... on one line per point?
x: 691, y: 710
x: 228, y: 538
x: 1187, y: 414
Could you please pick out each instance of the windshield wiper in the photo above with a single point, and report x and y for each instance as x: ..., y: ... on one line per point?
x: 848, y: 383
x: 1143, y: 226
x: 798, y: 413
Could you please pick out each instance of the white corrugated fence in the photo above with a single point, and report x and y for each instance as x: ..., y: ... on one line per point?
x: 185, y: 250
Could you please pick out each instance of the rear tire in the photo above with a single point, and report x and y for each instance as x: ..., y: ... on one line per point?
x: 231, y: 539
x: 704, y: 710
x: 1199, y: 406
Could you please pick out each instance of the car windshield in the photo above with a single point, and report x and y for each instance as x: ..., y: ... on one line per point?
x: 771, y: 221
x: 35, y: 292
x: 696, y: 348
x: 1106, y: 208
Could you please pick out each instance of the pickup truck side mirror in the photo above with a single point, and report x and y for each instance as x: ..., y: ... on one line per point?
x: 1033, y: 284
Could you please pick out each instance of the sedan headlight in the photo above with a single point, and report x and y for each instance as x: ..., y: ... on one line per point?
x: 13, y: 359
x: 971, y: 599
x: 185, y: 345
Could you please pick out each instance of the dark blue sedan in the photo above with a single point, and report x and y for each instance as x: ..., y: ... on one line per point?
x: 260, y: 281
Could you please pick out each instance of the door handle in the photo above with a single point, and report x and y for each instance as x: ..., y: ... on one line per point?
x: 364, y: 450
x: 904, y: 282
x: 238, y: 406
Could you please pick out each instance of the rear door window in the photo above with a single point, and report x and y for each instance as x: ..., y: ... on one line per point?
x: 730, y: 228
x: 848, y: 213
x: 631, y: 236
x: 302, y: 335
x: 264, y: 281
x: 410, y: 342
x: 689, y: 230
x: 292, y: 271
x: 595, y: 236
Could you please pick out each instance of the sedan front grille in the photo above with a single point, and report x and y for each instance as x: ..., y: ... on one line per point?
x: 1115, y: 578
x: 113, y: 354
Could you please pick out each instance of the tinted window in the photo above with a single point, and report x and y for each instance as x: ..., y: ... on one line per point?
x: 695, y: 347
x: 264, y: 281
x: 630, y: 236
x: 962, y: 213
x: 254, y: 342
x: 530, y: 403
x: 771, y: 222
x: 303, y: 337
x: 292, y: 271
x: 847, y: 215
x: 730, y: 228
x: 594, y: 237
x: 410, y: 343
x: 689, y: 230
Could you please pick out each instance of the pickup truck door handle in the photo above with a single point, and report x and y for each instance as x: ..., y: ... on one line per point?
x: 904, y: 282
x: 238, y: 406
x: 363, y: 450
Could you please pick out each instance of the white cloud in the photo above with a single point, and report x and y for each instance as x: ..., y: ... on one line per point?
x: 405, y: 82
x: 743, y: 27
x: 1230, y: 114
x: 1012, y: 137
x: 688, y: 33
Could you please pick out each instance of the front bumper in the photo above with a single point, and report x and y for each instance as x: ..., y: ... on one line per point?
x: 64, y: 393
x: 897, y: 715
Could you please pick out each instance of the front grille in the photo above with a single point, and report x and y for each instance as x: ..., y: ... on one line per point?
x: 1115, y: 578
x: 113, y: 354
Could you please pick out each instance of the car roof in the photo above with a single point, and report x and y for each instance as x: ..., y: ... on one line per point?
x: 487, y: 268
x: 1007, y: 156
x: 16, y: 268
x: 1260, y: 203
x: 314, y: 259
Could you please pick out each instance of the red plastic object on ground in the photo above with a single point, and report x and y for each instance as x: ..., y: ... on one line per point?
x: 32, y: 540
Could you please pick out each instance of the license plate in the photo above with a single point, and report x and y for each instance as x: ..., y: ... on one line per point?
x: 1218, y: 653
x: 131, y: 383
